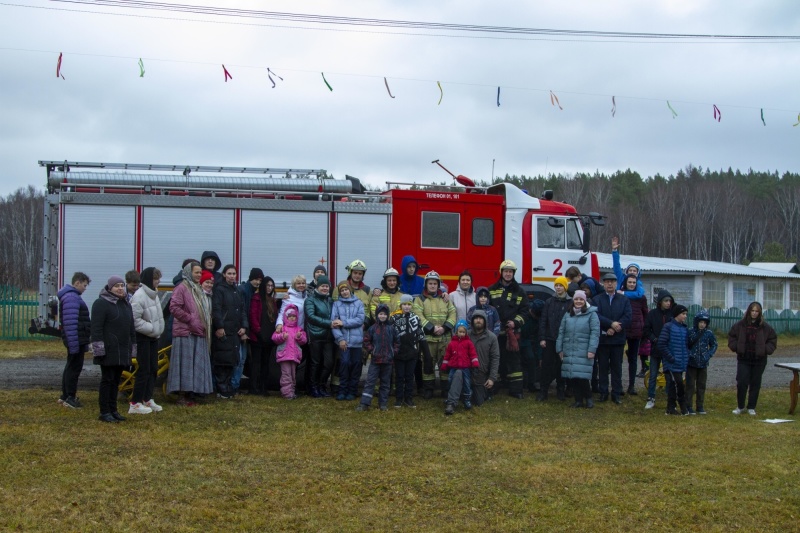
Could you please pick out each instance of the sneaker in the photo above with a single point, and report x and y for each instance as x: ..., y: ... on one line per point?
x: 410, y: 404
x: 139, y: 409
x: 690, y: 411
x: 362, y: 407
x: 673, y: 412
x: 738, y: 411
x: 350, y: 397
x: 651, y: 402
x: 751, y: 412
x: 341, y: 397
x: 467, y: 405
x: 384, y: 407
x: 223, y: 396
x: 701, y: 411
x: 398, y: 404
x: 450, y: 409
x: 153, y: 405
x: 72, y: 402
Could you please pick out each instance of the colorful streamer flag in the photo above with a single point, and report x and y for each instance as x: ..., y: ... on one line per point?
x: 798, y: 121
x: 674, y: 114
x: 326, y: 82
x: 58, y: 67
x: 498, y: 97
x: 385, y: 82
x: 613, y: 106
x: 554, y: 100
x: 762, y: 117
x: 141, y: 68
x: 227, y: 74
x: 717, y: 113
x: 269, y: 75
x: 441, y: 93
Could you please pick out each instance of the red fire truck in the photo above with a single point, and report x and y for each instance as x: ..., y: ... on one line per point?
x: 105, y: 219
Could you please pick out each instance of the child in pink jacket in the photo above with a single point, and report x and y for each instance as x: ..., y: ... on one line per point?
x: 460, y: 358
x: 288, y: 353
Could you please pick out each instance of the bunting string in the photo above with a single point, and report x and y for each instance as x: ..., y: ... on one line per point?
x: 141, y: 68
x: 326, y: 82
x: 58, y: 67
x: 674, y: 114
x: 386, y: 82
x: 227, y: 74
x: 554, y: 100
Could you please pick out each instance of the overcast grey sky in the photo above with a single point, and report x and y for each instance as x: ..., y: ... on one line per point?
x: 182, y: 111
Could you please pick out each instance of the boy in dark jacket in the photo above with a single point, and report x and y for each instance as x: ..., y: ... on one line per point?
x: 673, y: 343
x: 702, y: 347
x: 411, y: 342
x: 75, y: 332
x: 381, y: 341
x: 529, y: 347
x: 653, y: 324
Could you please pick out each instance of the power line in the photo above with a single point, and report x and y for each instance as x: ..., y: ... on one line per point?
x: 337, y: 21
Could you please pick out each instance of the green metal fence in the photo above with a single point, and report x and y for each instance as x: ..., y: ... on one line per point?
x: 722, y: 320
x: 17, y: 308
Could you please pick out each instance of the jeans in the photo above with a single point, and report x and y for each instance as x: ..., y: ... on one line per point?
x: 459, y: 378
x: 404, y: 379
x: 72, y: 371
x: 147, y: 358
x: 696, y: 380
x: 633, y: 355
x: 655, y: 364
x: 349, y: 370
x: 610, y: 355
x: 748, y: 377
x: 109, y: 388
x: 382, y: 371
x: 238, y: 370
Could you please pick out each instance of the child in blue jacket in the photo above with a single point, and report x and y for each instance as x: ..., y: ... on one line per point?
x: 702, y: 347
x: 673, y: 342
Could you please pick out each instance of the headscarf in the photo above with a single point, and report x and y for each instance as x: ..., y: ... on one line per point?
x: 147, y: 277
x: 200, y: 299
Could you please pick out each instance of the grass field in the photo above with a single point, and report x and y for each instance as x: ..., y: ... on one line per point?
x: 267, y: 464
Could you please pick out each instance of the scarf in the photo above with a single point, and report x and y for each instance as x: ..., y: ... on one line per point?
x: 200, y: 299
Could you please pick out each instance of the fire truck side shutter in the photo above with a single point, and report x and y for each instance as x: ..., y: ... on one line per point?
x: 366, y: 237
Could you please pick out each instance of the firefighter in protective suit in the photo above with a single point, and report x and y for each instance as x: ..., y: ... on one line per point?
x: 510, y: 301
x: 438, y: 320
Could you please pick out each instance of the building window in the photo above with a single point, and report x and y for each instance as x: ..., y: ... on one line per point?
x: 744, y: 292
x: 483, y: 232
x: 713, y: 294
x: 548, y: 236
x: 773, y: 295
x: 794, y: 296
x: 440, y: 230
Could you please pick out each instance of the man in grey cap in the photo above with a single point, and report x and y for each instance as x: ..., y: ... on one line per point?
x: 614, y: 311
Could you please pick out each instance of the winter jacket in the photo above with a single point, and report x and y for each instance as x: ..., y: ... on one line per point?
x: 460, y: 353
x: 765, y: 340
x: 655, y: 320
x: 317, y: 309
x: 113, y: 335
x: 552, y: 314
x: 218, y: 277
x: 228, y: 313
x: 390, y: 299
x: 410, y: 336
x: 511, y: 303
x: 351, y: 312
x: 148, y: 317
x: 433, y: 311
x: 246, y: 290
x: 413, y: 285
x: 621, y: 276
x: 288, y: 346
x: 463, y: 301
x: 488, y: 349
x: 702, y: 346
x: 490, y: 314
x: 381, y: 341
x: 578, y: 335
x: 673, y: 343
x: 75, y: 321
x: 187, y: 319
x: 639, y: 311
x: 298, y: 299
x: 609, y: 310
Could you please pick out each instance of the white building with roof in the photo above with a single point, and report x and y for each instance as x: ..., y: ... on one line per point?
x: 715, y: 284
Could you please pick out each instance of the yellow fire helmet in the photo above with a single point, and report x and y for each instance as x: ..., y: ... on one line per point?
x: 391, y: 272
x: 508, y: 264
x: 357, y: 264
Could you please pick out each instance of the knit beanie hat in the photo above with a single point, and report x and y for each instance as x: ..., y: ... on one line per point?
x: 255, y: 273
x: 561, y: 280
x: 579, y: 294
x: 323, y: 280
x: 342, y: 285
x: 406, y: 299
x: 205, y: 276
x: 678, y: 309
x: 322, y: 268
x: 113, y: 280
x: 462, y: 324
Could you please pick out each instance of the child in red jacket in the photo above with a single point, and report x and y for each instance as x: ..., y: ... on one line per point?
x: 459, y: 358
